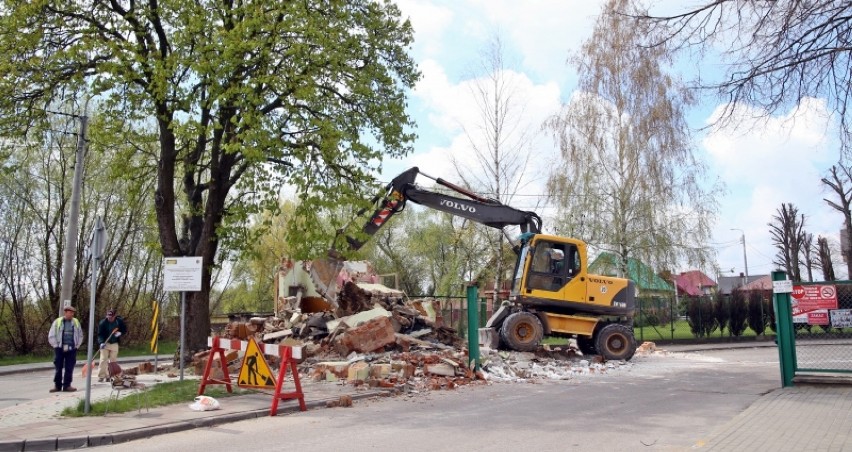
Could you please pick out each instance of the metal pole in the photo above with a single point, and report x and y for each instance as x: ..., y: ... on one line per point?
x: 676, y: 311
x: 786, y: 333
x: 182, y: 331
x: 96, y: 262
x: 473, y: 326
x: 73, y: 220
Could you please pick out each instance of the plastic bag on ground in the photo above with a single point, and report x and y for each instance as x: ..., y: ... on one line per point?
x: 204, y: 403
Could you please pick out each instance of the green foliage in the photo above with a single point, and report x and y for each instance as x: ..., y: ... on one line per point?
x: 432, y: 252
x: 739, y: 312
x: 770, y: 314
x: 654, y: 312
x: 700, y: 316
x: 721, y: 310
x: 757, y: 316
x: 243, y: 98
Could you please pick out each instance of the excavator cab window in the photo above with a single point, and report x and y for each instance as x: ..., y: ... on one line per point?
x: 573, y: 262
x: 548, y: 268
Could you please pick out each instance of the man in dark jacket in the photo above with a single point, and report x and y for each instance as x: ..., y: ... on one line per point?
x: 110, y: 330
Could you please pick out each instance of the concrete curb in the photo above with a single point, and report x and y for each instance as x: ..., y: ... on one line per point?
x: 76, y: 442
x: 36, y: 367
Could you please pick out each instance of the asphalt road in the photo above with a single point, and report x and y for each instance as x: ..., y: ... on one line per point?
x: 657, y: 403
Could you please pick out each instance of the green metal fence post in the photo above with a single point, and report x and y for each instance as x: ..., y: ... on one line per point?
x: 641, y: 321
x: 784, y: 328
x: 473, y: 325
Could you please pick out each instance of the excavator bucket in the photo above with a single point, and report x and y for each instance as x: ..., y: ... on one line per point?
x: 323, y: 274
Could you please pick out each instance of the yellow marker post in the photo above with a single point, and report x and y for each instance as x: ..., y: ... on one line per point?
x: 155, y: 328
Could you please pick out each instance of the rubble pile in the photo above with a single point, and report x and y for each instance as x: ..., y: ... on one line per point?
x: 372, y: 336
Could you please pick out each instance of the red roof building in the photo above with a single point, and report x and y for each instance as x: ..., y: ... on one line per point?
x: 694, y: 283
x: 764, y: 283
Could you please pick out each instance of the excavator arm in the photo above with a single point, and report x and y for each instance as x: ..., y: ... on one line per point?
x: 402, y: 189
x: 393, y: 198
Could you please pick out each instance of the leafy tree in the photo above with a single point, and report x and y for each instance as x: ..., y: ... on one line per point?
x: 230, y: 88
x: 626, y: 153
x: 739, y: 312
x: 430, y: 252
x: 252, y: 277
x: 777, y: 53
x: 788, y: 232
x: 35, y: 202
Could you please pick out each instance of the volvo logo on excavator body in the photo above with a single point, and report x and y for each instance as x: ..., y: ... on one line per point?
x: 458, y: 206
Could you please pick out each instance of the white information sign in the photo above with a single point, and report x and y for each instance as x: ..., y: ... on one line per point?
x: 841, y: 318
x: 182, y: 274
x: 783, y: 286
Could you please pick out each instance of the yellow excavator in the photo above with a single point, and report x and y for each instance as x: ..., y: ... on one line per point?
x: 552, y: 292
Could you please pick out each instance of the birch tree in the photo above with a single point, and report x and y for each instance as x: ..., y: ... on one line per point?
x: 627, y: 181
x: 500, y: 141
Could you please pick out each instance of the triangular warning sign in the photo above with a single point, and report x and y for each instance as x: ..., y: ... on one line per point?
x: 255, y: 371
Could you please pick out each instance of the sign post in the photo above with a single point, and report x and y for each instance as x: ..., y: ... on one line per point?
x: 782, y: 288
x: 97, y: 244
x: 182, y: 274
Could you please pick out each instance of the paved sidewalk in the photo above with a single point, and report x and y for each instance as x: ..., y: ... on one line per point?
x: 807, y: 418
x: 37, y: 426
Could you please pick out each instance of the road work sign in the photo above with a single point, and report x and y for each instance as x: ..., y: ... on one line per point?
x: 255, y: 371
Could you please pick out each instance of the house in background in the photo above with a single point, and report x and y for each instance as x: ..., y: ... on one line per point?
x: 694, y: 283
x: 727, y: 284
x: 648, y: 283
x: 764, y: 283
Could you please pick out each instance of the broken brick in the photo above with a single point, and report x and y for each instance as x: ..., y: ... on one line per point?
x: 371, y: 336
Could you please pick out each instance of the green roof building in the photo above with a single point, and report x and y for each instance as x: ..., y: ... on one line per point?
x: 648, y: 283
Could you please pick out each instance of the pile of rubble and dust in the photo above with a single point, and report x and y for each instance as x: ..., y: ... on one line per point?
x: 370, y: 335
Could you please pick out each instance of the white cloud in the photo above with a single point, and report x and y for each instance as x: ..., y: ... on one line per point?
x: 766, y: 162
x: 762, y: 163
x: 454, y: 112
x: 545, y: 32
x: 430, y: 22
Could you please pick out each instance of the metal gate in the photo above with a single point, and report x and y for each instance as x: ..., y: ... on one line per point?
x: 814, y: 326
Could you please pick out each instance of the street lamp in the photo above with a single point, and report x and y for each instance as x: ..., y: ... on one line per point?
x: 745, y: 258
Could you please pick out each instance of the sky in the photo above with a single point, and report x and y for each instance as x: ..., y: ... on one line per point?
x: 762, y: 164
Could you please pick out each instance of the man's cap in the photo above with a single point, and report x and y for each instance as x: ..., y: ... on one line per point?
x: 70, y: 308
x: 110, y: 311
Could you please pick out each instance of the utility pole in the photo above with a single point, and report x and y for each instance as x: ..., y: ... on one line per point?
x: 745, y: 257
x: 67, y: 282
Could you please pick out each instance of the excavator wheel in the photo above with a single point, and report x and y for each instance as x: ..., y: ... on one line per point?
x: 586, y: 345
x: 522, y: 331
x: 615, y: 342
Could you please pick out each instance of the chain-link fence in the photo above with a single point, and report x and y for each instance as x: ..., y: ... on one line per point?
x: 453, y: 311
x: 822, y: 322
x: 742, y: 314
